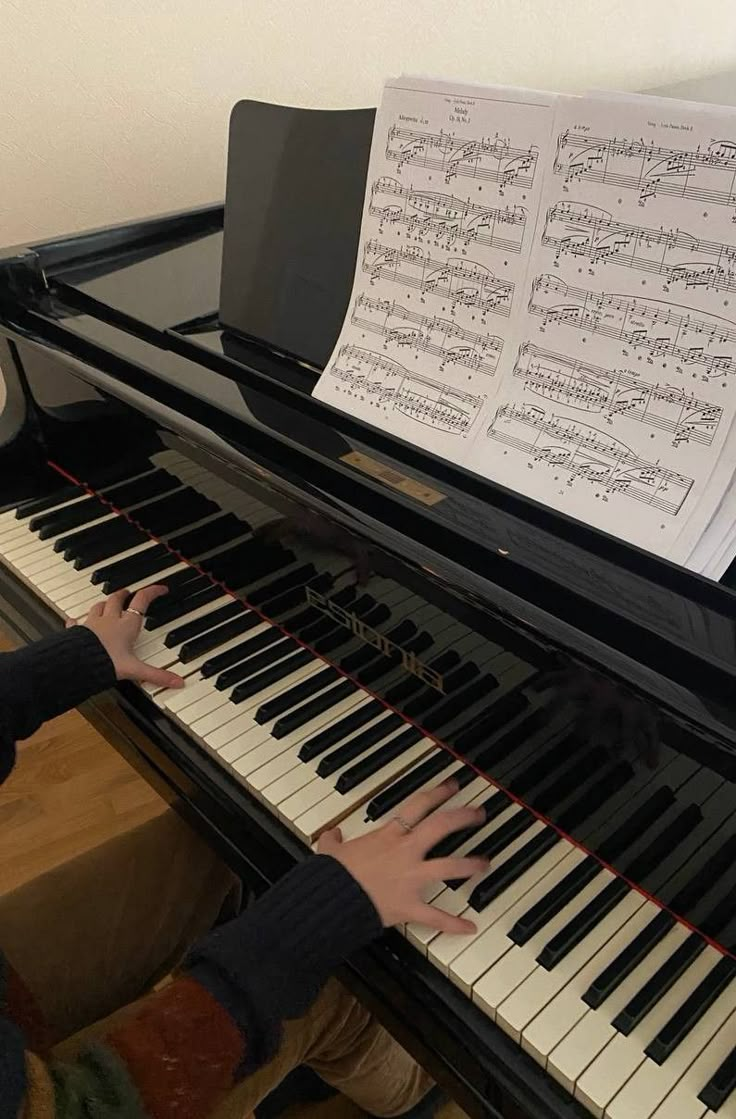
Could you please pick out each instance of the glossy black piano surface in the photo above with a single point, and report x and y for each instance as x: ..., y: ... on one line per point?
x: 357, y: 619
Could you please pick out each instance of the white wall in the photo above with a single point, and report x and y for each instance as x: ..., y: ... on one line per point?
x: 111, y: 109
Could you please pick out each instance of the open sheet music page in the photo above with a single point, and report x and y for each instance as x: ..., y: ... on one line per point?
x: 622, y: 396
x: 452, y: 195
x: 545, y: 293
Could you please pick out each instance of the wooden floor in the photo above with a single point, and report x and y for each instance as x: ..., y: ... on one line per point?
x: 69, y: 792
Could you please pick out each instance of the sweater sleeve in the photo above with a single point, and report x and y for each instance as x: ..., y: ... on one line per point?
x: 43, y: 680
x: 179, y: 1052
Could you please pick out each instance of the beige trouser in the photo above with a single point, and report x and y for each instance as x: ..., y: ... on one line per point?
x: 94, y: 935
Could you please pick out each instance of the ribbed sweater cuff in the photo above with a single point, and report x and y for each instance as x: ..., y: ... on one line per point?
x: 68, y: 668
x: 271, y: 962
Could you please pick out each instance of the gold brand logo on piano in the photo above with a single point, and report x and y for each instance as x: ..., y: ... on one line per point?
x: 372, y: 637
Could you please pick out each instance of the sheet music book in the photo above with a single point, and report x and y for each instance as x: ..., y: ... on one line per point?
x: 545, y: 294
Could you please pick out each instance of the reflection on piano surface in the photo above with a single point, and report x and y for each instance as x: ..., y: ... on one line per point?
x: 345, y: 644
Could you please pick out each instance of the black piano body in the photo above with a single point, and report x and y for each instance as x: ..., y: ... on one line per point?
x: 114, y: 356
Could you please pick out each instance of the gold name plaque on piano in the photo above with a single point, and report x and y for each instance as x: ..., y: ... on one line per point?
x: 391, y: 477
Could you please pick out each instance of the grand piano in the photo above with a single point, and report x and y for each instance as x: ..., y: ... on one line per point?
x: 358, y: 619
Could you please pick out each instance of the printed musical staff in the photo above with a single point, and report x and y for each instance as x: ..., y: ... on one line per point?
x: 662, y: 329
x: 385, y: 382
x: 617, y: 392
x: 492, y: 160
x: 679, y: 258
x: 588, y: 454
x: 456, y: 279
x: 707, y: 174
x: 446, y: 217
x: 427, y: 334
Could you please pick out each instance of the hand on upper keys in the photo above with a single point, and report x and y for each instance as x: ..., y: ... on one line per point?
x: 117, y: 628
x: 390, y: 862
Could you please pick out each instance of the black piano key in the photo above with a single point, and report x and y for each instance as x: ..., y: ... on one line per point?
x: 692, y: 1010
x: 354, y: 747
x: 636, y: 824
x: 270, y: 676
x: 244, y: 649
x: 285, y: 602
x: 322, y: 625
x: 580, y: 810
x: 112, y: 534
x: 380, y: 665
x: 469, y: 744
x: 82, y: 512
x: 295, y: 695
x: 548, y: 906
x: 328, y: 643
x: 454, y: 680
x: 148, y: 486
x: 673, y: 967
x: 181, y: 584
x: 275, y: 589
x: 407, y: 689
x: 398, y: 635
x: 598, y: 907
x: 494, y: 843
x: 36, y: 505
x: 189, y: 630
x: 97, y: 551
x: 301, y: 715
x: 213, y: 638
x: 173, y: 511
x: 213, y: 534
x: 178, y: 607
x: 113, y: 576
x: 335, y: 732
x: 270, y: 652
x: 721, y: 1084
x: 366, y: 767
x: 497, y: 803
x: 631, y: 956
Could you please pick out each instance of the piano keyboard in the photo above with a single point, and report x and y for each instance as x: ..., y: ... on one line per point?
x: 627, y: 1009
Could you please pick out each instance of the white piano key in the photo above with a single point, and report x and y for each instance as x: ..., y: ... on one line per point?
x: 589, y: 1037
x: 465, y: 962
x: 332, y: 809
x: 557, y: 1014
x: 455, y: 901
x: 514, y: 1014
x: 155, y: 637
x: 249, y: 706
x: 650, y: 1084
x: 273, y: 774
x: 682, y: 1102
x: 223, y: 736
x: 513, y: 964
x: 606, y: 1075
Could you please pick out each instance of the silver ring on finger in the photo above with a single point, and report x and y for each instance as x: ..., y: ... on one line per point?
x: 404, y: 824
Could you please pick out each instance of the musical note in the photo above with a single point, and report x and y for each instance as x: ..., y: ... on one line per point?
x: 617, y: 392
x: 493, y: 160
x: 459, y: 280
x: 447, y: 217
x: 385, y: 382
x: 427, y: 334
x: 585, y: 231
x: 662, y: 329
x: 706, y: 174
x: 591, y: 455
